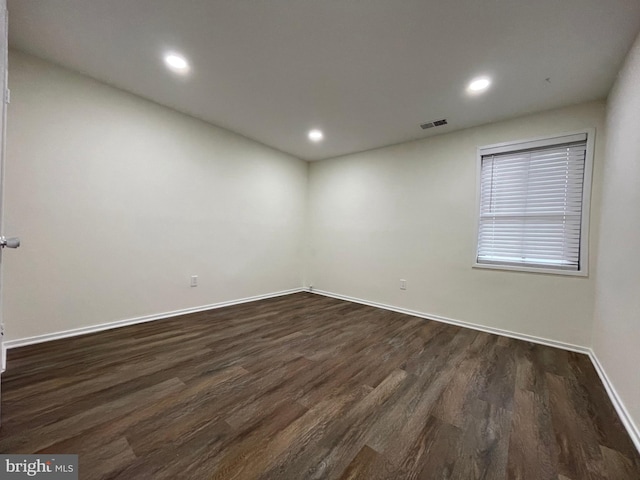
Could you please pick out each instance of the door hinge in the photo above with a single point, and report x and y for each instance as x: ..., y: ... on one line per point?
x: 7, y: 96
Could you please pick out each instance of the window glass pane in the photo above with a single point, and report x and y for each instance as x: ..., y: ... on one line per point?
x: 531, y: 207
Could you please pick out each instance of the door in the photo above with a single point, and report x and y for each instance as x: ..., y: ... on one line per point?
x: 4, y: 98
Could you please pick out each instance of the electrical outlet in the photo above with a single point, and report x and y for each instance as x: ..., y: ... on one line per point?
x: 194, y: 280
x: 403, y: 284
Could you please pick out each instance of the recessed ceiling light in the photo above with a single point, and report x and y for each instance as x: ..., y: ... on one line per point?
x: 315, y: 135
x: 479, y: 85
x: 176, y: 62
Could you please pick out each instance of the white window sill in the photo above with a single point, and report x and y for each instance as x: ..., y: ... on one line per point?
x: 519, y: 268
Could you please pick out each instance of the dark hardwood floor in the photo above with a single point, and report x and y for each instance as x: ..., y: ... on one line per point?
x: 308, y: 387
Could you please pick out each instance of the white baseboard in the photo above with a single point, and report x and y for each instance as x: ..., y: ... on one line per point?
x: 618, y: 404
x: 21, y: 342
x: 459, y: 323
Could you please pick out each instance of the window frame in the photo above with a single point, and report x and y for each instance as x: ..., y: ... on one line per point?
x: 586, y: 200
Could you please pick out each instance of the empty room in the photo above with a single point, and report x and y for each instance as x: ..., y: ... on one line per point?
x: 334, y: 239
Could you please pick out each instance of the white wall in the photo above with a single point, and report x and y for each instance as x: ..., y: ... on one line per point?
x: 616, y: 334
x: 119, y: 201
x: 409, y: 211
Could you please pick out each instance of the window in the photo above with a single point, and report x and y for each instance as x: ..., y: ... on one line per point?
x: 534, y: 204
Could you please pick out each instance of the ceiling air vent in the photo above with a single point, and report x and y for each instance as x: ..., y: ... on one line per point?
x: 436, y: 123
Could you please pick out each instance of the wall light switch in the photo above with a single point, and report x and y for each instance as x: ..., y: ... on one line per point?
x: 194, y: 280
x: 403, y: 284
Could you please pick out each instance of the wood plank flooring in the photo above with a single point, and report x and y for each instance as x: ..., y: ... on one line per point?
x: 309, y: 387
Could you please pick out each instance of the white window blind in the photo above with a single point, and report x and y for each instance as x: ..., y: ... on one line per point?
x: 531, y: 204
